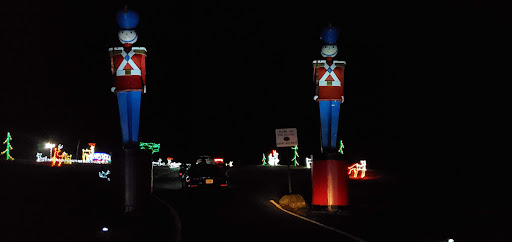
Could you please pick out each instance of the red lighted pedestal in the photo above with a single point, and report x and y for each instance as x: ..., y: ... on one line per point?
x: 330, y: 183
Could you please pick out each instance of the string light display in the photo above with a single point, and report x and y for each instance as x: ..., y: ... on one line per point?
x: 174, y: 165
x: 89, y: 156
x: 309, y: 161
x: 150, y: 146
x: 341, y: 147
x: 49, y: 146
x: 88, y: 152
x: 295, y: 155
x: 273, y: 159
x: 8, y: 147
x: 264, y: 159
x: 58, y: 155
x: 356, y: 168
x: 104, y: 174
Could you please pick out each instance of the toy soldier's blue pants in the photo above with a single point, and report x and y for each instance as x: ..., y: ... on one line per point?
x: 329, y: 116
x: 129, y: 112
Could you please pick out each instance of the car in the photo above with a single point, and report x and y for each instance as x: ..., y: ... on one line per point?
x: 204, y: 175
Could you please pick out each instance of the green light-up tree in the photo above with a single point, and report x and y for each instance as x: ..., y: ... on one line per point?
x: 295, y: 155
x: 264, y: 159
x: 8, y: 148
x: 341, y: 147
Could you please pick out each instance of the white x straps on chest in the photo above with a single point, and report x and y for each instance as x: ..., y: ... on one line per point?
x: 127, y: 59
x: 329, y: 72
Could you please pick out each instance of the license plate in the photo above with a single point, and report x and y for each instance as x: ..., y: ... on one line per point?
x: 209, y: 181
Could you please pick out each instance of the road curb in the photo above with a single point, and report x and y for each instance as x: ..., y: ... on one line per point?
x: 317, y: 223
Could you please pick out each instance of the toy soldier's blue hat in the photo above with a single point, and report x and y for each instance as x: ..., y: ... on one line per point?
x: 127, y: 19
x: 329, y: 35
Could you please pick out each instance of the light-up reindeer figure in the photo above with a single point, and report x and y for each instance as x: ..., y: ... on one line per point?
x: 58, y: 155
x: 355, y: 168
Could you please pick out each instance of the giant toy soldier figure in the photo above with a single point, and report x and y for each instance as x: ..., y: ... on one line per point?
x: 329, y: 171
x: 128, y: 65
x: 329, y: 81
x: 131, y: 168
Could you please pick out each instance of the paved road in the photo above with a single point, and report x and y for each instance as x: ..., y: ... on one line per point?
x: 71, y: 203
x: 242, y: 212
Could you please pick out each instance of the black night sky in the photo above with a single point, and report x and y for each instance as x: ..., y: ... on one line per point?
x: 422, y: 81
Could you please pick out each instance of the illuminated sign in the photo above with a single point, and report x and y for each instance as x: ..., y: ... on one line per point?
x: 100, y: 158
x: 286, y: 137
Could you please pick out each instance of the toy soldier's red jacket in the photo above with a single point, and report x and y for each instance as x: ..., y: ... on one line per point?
x: 329, y: 77
x: 129, y: 66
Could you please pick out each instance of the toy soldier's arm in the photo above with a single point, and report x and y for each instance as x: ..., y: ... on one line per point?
x: 143, y: 65
x: 112, y: 68
x: 315, y: 79
x: 112, y: 64
x: 143, y: 73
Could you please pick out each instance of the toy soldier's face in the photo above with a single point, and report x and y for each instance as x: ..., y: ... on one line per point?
x: 329, y: 50
x: 127, y: 36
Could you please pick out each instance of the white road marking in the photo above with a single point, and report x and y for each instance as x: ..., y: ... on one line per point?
x: 317, y: 223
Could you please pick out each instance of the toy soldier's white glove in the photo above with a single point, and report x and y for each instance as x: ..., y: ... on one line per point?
x: 342, y: 99
x: 315, y: 97
x: 144, y: 88
x: 113, y: 89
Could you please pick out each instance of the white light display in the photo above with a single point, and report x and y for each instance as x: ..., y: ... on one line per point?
x: 49, y: 146
x: 39, y: 156
x: 309, y: 161
x: 273, y: 159
x: 88, y: 152
x: 230, y: 163
x: 169, y: 163
x: 88, y: 156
